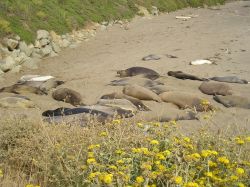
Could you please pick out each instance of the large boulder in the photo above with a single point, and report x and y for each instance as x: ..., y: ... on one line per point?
x: 44, y: 42
x: 42, y: 34
x: 25, y: 48
x: 7, y: 64
x: 46, y: 50
x: 55, y: 47
x: 10, y: 43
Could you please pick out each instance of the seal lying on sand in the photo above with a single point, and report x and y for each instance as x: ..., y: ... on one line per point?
x: 230, y: 79
x: 140, y: 92
x: 133, y: 71
x: 186, y: 100
x: 16, y: 102
x: 139, y: 104
x: 22, y: 89
x: 151, y: 57
x: 233, y: 101
x: 181, y: 75
x: 104, y: 111
x: 158, y: 89
x: 68, y: 96
x: 135, y: 80
x: 121, y: 103
x: 215, y: 88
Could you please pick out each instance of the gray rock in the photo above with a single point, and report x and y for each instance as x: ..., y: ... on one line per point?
x: 15, y: 53
x: 25, y: 48
x: 55, y: 37
x: 155, y: 11
x: 103, y: 27
x: 44, y: 42
x: 17, y: 38
x: 31, y: 63
x: 11, y: 44
x: 1, y: 72
x: 21, y: 58
x: 55, y: 47
x: 65, y: 43
x: 46, y: 50
x: 16, y: 69
x: 53, y: 54
x: 42, y: 34
x: 37, y: 44
x: 7, y: 64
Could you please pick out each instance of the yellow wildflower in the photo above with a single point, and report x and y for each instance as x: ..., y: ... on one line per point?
x: 223, y: 160
x: 178, y: 180
x: 240, y: 184
x: 247, y: 139
x: 107, y: 178
x: 173, y: 122
x: 191, y: 184
x: 207, y: 153
x: 91, y: 161
x: 119, y: 152
x: 32, y: 185
x: 205, y: 102
x: 161, y: 168
x: 93, y: 146
x: 91, y: 154
x: 116, y: 122
x: 120, y: 161
x: 240, y: 171
x: 139, y: 179
x: 239, y: 141
x: 187, y: 139
x: 194, y: 156
x: 156, y: 124
x: 113, y: 167
x: 1, y: 173
x: 157, y: 162
x: 103, y: 134
x: 154, y: 142
x: 140, y: 125
x: 212, y: 164
x: 146, y: 166
x: 209, y: 174
x: 166, y: 153
x: 160, y: 156
x: 94, y: 175
x: 234, y: 178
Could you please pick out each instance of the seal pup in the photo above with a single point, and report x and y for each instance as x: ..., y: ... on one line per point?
x: 151, y: 57
x: 182, y: 75
x: 16, y: 102
x: 215, y: 88
x: 186, y: 100
x: 22, y: 89
x: 233, y: 101
x: 135, y: 80
x: 229, y: 79
x: 133, y: 71
x: 121, y: 103
x: 68, y: 96
x: 138, y: 103
x: 140, y: 92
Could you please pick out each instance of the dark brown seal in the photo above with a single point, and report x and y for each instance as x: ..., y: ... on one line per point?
x: 182, y: 75
x: 68, y: 96
x: 133, y: 71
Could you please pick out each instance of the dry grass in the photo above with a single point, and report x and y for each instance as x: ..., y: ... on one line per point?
x: 119, y: 154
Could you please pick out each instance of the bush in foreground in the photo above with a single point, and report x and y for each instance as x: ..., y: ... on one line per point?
x: 120, y: 154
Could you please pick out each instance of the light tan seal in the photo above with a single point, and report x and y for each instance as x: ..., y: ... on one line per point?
x: 16, y: 102
x: 22, y: 89
x: 186, y: 100
x: 215, y: 88
x: 141, y: 93
x: 138, y: 103
x: 68, y: 96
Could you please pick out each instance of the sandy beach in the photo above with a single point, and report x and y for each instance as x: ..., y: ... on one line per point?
x: 220, y: 33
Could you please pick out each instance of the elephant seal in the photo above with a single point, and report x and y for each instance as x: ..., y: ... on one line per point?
x: 158, y: 89
x: 151, y: 57
x: 181, y: 75
x: 135, y: 80
x: 215, y: 88
x: 121, y: 103
x: 140, y: 92
x: 185, y: 100
x: 68, y: 96
x: 133, y: 71
x: 138, y: 103
x: 233, y: 101
x: 104, y: 111
x: 16, y: 102
x: 22, y: 89
x: 230, y: 79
